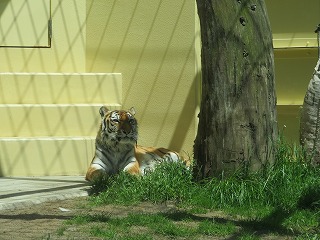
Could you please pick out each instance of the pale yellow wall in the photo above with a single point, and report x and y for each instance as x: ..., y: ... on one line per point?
x: 68, y: 49
x: 155, y: 45
x: 152, y: 45
x: 48, y: 105
x: 20, y: 28
x: 293, y: 23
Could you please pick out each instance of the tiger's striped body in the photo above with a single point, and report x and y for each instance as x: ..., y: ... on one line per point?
x: 116, y: 149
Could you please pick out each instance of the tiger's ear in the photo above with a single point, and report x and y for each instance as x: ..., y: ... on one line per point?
x: 103, y: 110
x: 132, y: 111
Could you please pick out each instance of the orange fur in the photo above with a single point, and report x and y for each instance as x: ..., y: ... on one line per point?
x: 116, y: 148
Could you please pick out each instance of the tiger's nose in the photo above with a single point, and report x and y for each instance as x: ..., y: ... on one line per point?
x: 126, y: 128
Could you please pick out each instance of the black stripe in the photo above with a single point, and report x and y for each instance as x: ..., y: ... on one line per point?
x: 102, y: 153
x: 162, y: 151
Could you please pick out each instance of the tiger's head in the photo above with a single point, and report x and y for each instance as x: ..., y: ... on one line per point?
x: 118, y: 126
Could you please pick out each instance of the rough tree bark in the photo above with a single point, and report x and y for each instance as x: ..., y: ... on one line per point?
x: 237, y: 120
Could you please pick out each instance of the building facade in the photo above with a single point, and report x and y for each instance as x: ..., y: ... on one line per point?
x: 60, y: 60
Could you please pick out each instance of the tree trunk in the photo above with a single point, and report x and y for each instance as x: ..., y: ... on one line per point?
x: 237, y: 120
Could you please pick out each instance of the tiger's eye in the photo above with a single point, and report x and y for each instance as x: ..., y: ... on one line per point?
x: 131, y: 121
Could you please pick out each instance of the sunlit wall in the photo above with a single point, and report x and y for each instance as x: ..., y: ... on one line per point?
x: 153, y: 45
x: 60, y: 60
x: 293, y: 23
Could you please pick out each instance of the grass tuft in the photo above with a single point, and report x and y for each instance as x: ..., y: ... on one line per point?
x: 170, y: 181
x: 212, y: 228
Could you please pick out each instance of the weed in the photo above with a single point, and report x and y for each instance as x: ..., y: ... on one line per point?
x: 61, y: 230
x: 213, y: 228
x: 107, y: 233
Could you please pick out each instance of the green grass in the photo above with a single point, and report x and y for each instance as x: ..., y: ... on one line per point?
x: 212, y: 228
x: 287, y: 186
x: 175, y: 224
x: 282, y: 199
x: 168, y: 182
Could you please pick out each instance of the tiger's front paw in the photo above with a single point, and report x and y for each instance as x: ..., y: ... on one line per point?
x: 133, y: 168
x: 94, y: 174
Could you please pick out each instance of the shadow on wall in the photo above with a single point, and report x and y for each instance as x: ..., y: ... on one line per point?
x: 186, y: 117
x: 43, y: 135
x: 3, y: 5
x: 1, y: 173
x: 49, y: 120
x: 155, y: 51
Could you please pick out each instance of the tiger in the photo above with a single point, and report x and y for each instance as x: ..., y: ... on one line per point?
x: 116, y: 147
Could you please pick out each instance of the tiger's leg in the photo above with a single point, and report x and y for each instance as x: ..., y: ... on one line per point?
x: 94, y: 173
x: 171, y: 157
x: 133, y: 168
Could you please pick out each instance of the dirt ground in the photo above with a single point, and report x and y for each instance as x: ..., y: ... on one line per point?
x: 39, y: 221
x: 44, y: 221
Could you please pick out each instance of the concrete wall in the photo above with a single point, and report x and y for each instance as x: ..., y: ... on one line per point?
x: 148, y: 53
x: 68, y: 44
x: 51, y: 80
x: 153, y: 45
x: 293, y: 23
